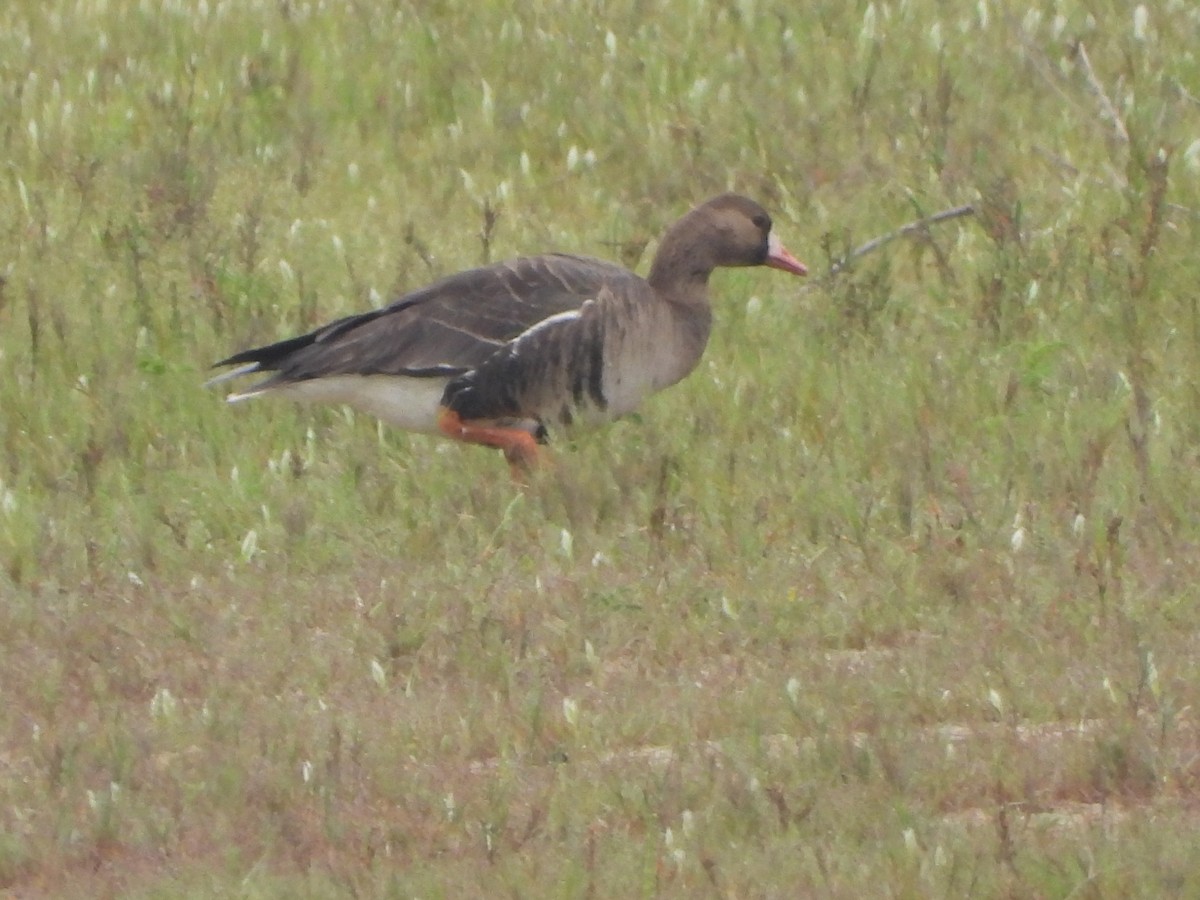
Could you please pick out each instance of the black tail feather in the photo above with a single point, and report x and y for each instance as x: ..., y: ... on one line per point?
x: 270, y: 356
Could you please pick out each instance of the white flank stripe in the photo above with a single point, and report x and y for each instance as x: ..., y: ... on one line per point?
x: 231, y: 374
x: 550, y: 321
x: 238, y: 398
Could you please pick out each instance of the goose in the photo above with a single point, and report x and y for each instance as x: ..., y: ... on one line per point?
x: 501, y: 355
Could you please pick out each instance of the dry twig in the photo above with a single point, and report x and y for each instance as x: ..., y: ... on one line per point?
x: 1107, y: 108
x: 919, y: 227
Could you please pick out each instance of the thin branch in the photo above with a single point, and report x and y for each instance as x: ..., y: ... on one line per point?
x: 1180, y: 208
x: 1107, y: 108
x: 1050, y: 73
x: 1063, y: 163
x: 919, y: 227
x: 1185, y: 94
x: 1042, y: 65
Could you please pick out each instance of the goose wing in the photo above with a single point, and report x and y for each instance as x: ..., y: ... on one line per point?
x: 448, y: 328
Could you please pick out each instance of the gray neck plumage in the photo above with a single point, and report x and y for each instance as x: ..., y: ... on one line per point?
x: 683, y: 263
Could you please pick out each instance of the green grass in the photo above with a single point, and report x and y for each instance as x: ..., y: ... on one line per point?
x: 895, y: 596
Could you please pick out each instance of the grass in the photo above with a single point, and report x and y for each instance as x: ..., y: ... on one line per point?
x: 895, y: 596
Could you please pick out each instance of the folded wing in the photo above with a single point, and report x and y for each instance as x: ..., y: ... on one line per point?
x: 443, y: 330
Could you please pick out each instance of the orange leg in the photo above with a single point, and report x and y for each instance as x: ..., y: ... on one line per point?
x: 519, y: 446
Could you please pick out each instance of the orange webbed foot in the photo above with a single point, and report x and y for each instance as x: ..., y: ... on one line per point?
x: 519, y: 446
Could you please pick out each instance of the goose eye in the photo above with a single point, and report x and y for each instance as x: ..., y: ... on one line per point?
x: 762, y: 222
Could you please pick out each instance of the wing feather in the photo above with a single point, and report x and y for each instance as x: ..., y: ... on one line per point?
x: 447, y: 328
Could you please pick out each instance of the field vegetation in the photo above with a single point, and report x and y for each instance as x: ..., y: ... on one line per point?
x: 895, y: 596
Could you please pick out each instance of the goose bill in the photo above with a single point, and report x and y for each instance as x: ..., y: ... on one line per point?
x: 778, y: 257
